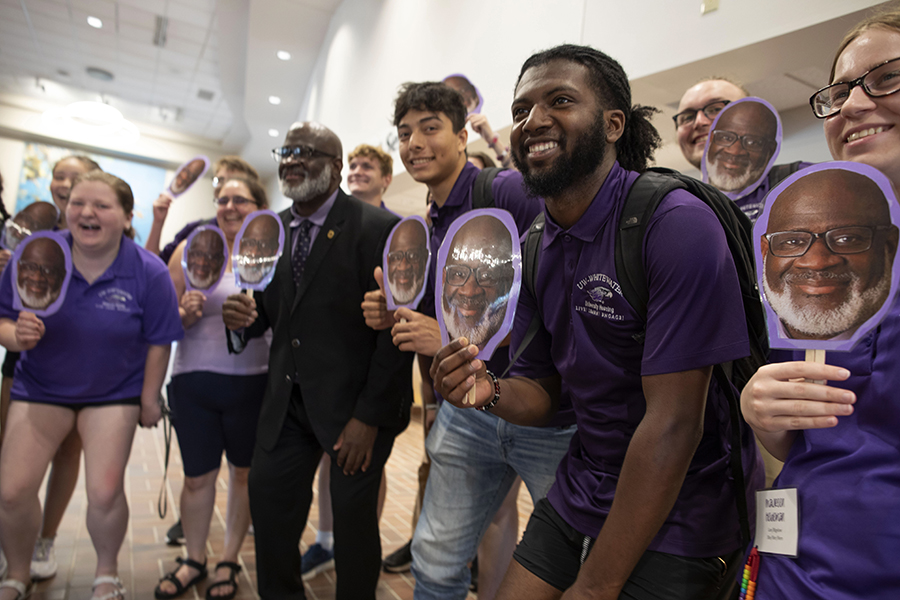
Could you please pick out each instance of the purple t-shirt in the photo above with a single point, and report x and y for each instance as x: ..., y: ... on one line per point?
x: 848, y: 486
x: 694, y: 319
x: 95, y: 347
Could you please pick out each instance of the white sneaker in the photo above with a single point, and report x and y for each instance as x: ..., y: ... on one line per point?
x: 3, y: 564
x: 43, y: 561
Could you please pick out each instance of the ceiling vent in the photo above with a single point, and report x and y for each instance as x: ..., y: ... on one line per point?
x: 159, y: 34
x: 101, y: 74
x: 205, y: 94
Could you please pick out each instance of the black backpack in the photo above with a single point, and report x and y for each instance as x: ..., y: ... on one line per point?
x: 640, y: 204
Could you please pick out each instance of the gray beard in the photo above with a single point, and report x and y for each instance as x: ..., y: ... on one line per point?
x: 37, y: 302
x: 202, y: 284
x: 309, y: 188
x: 405, y: 295
x: 487, y: 325
x: 732, y: 183
x: 830, y: 323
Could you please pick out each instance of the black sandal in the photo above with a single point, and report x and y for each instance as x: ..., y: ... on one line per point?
x: 180, y: 588
x: 232, y: 581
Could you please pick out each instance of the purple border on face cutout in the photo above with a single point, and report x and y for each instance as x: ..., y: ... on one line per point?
x: 384, y: 261
x: 184, y: 267
x: 777, y: 335
x: 478, y: 106
x: 14, y: 264
x: 778, y: 135
x: 171, y: 188
x: 11, y: 223
x: 236, y: 257
x: 506, y: 219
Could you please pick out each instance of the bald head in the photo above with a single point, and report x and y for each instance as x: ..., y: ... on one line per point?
x: 692, y: 124
x: 38, y: 216
x: 41, y: 271
x: 407, y: 256
x: 741, y: 146
x: 310, y: 177
x: 205, y: 258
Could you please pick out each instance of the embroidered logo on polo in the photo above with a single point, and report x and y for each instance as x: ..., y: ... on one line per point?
x: 599, y: 293
x: 115, y: 299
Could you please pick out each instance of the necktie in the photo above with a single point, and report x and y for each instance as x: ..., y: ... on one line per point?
x: 301, y: 251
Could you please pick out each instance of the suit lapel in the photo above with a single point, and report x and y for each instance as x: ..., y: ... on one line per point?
x: 325, y: 239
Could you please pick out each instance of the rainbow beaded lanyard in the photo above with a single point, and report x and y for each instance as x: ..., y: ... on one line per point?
x: 748, y: 580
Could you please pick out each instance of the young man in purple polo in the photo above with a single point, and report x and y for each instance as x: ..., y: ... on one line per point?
x: 475, y: 456
x: 644, y: 498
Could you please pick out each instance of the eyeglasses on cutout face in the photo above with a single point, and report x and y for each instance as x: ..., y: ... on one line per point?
x: 750, y: 143
x: 280, y: 154
x: 35, y: 270
x: 413, y: 256
x: 458, y: 275
x: 878, y: 82
x: 686, y: 117
x: 841, y: 240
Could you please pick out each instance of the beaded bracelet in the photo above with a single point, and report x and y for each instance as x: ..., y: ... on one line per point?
x: 496, y: 399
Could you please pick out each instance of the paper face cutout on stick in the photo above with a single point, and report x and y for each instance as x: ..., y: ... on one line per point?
x: 471, y: 95
x: 479, y: 275
x: 188, y: 174
x: 37, y: 216
x: 744, y: 141
x: 257, y: 248
x: 41, y: 269
x: 405, y: 265
x: 203, y: 259
x: 826, y: 245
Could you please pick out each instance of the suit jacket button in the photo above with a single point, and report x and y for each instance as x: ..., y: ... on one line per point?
x: 287, y: 378
x: 295, y: 343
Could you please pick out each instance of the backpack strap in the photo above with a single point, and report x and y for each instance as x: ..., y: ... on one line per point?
x: 780, y: 172
x: 482, y: 192
x: 735, y: 458
x: 531, y: 256
x: 640, y: 204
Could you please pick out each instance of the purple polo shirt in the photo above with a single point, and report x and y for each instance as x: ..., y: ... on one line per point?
x: 694, y: 319
x: 753, y: 203
x: 95, y: 346
x: 848, y: 486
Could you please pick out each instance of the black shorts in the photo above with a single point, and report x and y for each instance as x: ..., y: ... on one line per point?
x: 76, y: 406
x: 212, y: 413
x: 9, y: 363
x: 554, y: 551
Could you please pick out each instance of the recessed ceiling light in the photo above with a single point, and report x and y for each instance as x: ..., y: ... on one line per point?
x: 274, y: 100
x: 95, y: 22
x: 273, y: 132
x: 98, y: 73
x: 283, y: 55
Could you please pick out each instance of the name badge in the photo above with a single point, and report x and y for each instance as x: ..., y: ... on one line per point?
x: 777, y: 521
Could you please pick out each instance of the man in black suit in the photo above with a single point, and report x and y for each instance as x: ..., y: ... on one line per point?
x: 334, y: 384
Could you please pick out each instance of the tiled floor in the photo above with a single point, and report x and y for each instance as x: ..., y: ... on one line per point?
x: 145, y: 557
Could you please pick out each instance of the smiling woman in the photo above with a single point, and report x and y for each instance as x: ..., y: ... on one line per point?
x: 96, y: 365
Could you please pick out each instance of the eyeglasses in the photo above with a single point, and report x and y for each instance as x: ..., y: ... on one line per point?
x: 415, y: 255
x: 280, y: 154
x: 458, y: 275
x: 750, y: 143
x: 32, y: 268
x: 687, y: 117
x: 261, y: 245
x: 841, y: 240
x: 200, y: 255
x: 883, y: 80
x: 237, y: 201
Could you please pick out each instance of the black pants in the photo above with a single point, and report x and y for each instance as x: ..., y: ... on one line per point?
x: 280, y: 497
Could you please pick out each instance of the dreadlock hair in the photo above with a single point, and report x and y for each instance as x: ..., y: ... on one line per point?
x: 431, y: 96
x: 634, y: 150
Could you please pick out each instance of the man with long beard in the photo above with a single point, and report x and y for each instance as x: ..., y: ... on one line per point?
x: 828, y: 253
x: 205, y: 258
x: 41, y: 271
x: 643, y: 504
x: 477, y: 280
x: 475, y: 456
x: 335, y: 385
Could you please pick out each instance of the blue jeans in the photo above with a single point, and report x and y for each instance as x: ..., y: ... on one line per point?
x: 475, y: 457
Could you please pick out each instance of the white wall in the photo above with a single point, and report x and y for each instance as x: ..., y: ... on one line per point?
x: 372, y: 47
